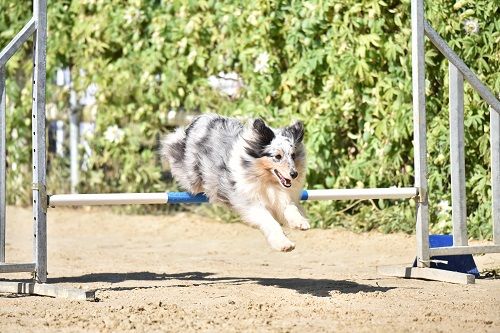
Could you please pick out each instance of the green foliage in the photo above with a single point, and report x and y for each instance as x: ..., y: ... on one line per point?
x: 343, y: 67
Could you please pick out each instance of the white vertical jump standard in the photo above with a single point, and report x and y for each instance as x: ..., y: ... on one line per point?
x: 37, y: 25
x: 457, y: 72
x: 39, y: 185
x: 420, y: 131
x: 457, y: 156
x: 3, y: 164
x: 454, y: 61
x: 495, y: 173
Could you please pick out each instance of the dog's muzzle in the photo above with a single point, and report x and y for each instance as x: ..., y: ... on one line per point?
x: 284, y: 181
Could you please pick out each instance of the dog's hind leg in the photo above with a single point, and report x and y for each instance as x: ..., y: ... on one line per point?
x: 261, y: 218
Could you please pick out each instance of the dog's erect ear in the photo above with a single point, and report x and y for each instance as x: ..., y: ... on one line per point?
x: 265, y: 134
x: 295, y: 131
x: 259, y: 125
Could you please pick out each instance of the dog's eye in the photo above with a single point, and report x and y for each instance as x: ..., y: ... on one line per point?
x: 278, y: 157
x: 293, y: 156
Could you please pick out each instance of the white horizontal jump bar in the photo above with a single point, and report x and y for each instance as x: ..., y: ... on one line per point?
x: 107, y: 199
x: 184, y: 197
x: 363, y: 193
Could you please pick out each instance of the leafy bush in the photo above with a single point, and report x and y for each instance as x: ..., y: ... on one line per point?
x: 343, y: 67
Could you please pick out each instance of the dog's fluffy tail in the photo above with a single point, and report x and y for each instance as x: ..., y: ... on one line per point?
x: 173, y: 147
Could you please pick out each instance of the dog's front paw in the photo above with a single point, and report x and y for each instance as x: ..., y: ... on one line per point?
x: 299, y: 223
x: 281, y: 243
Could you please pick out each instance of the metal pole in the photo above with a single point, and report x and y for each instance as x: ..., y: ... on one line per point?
x: 419, y: 129
x: 73, y: 147
x: 469, y: 75
x: 495, y: 173
x: 457, y: 155
x: 17, y: 42
x: 38, y: 139
x: 3, y: 164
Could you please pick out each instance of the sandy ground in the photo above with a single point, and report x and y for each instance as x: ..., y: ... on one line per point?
x: 182, y: 273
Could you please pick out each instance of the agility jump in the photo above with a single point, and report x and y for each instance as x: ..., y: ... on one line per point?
x: 37, y: 26
x: 59, y: 200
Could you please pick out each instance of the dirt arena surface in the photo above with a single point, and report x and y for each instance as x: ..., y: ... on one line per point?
x: 183, y: 273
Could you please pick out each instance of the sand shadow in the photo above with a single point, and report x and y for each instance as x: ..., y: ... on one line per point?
x: 9, y: 295
x: 314, y: 287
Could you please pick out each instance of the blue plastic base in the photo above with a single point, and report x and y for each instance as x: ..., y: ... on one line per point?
x: 462, y: 263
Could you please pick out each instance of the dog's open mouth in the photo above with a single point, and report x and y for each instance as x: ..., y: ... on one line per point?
x: 284, y: 181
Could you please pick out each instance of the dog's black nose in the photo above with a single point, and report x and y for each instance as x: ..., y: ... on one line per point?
x: 294, y: 174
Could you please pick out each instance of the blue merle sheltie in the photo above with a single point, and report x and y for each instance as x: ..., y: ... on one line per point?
x: 256, y: 170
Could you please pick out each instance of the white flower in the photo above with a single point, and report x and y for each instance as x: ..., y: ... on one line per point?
x: 471, y: 26
x: 181, y: 45
x: 147, y: 78
x: 367, y: 127
x: 157, y: 40
x: 14, y: 166
x: 171, y: 115
x: 310, y: 6
x: 188, y: 29
x: 133, y: 15
x: 262, y: 63
x: 192, y: 56
x: 444, y: 206
x: 253, y: 18
x: 114, y: 134
x: 229, y: 84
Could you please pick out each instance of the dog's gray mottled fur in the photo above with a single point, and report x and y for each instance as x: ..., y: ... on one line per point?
x: 255, y: 169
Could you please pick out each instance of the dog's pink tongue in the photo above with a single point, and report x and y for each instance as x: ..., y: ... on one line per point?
x: 286, y: 182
